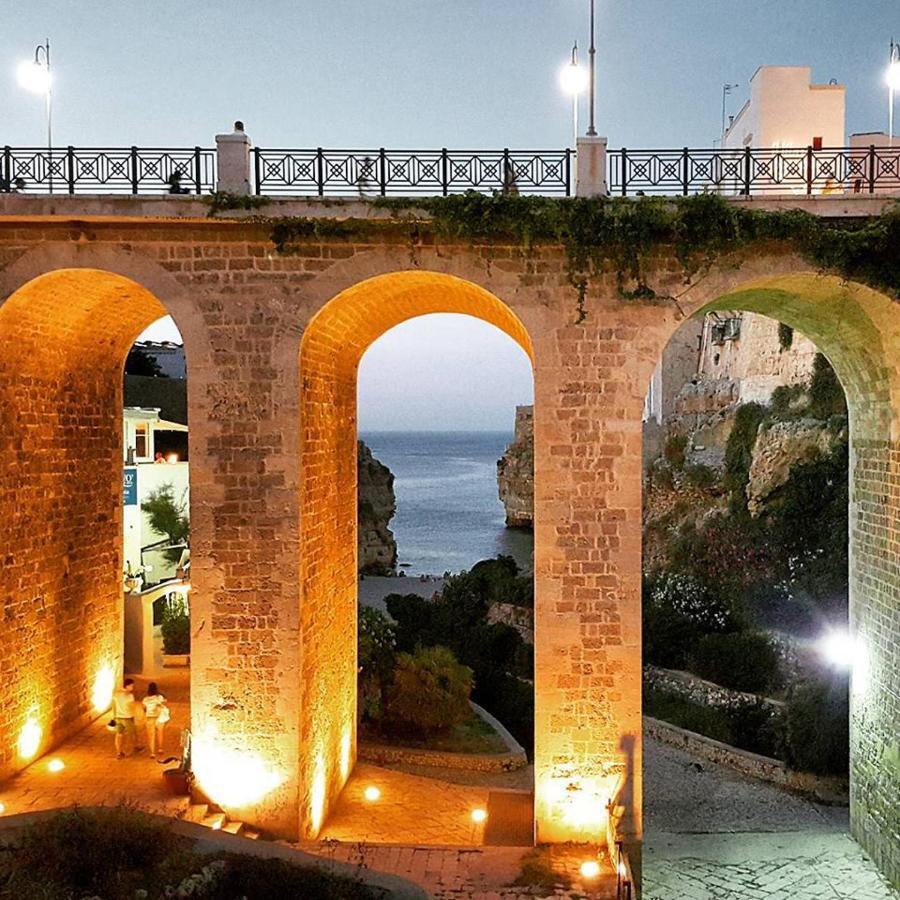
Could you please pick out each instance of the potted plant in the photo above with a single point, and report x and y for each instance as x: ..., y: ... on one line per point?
x: 176, y: 634
x: 134, y: 578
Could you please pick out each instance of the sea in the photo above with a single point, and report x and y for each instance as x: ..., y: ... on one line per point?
x: 449, y: 515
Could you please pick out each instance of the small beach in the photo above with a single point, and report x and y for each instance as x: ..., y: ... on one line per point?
x: 374, y: 588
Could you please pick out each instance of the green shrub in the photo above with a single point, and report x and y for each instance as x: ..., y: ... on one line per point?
x: 674, y: 450
x: 817, y: 727
x: 673, y: 708
x: 739, y: 451
x: 176, y: 631
x: 429, y: 692
x: 743, y: 660
x: 826, y: 396
x: 785, y: 336
x: 377, y: 657
x: 661, y: 476
x: 786, y: 401
x: 700, y: 476
x: 756, y: 726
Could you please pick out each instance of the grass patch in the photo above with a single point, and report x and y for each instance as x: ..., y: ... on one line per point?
x: 473, y: 735
x: 118, y: 853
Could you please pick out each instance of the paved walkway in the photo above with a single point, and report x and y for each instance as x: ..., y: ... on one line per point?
x: 711, y: 834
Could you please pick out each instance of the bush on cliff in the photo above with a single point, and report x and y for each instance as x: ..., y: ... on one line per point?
x: 429, y: 692
x: 817, y: 727
x: 744, y: 661
x: 377, y: 657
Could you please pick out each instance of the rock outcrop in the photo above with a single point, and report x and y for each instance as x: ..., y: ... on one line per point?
x: 781, y: 446
x: 376, y: 505
x: 515, y: 472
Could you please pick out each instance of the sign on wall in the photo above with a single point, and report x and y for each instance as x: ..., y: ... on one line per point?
x: 129, y: 486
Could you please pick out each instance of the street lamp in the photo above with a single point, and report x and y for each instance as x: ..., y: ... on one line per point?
x: 34, y: 76
x: 893, y: 80
x: 573, y: 80
x: 591, y: 131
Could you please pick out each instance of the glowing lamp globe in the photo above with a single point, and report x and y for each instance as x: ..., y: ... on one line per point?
x: 55, y: 765
x: 573, y: 79
x: 479, y: 816
x: 893, y: 75
x: 839, y: 649
x: 372, y: 793
x: 34, y: 77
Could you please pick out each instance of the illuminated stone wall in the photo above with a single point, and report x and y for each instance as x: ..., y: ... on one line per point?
x: 273, y: 345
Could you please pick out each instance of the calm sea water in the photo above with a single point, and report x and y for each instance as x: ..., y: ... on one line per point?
x: 448, y: 513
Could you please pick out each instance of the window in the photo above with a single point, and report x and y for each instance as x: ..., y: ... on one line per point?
x: 817, y: 143
x: 141, y: 442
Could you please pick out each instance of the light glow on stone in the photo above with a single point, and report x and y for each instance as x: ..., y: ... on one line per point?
x: 345, y: 753
x: 590, y: 868
x: 232, y: 778
x: 30, y: 738
x: 372, y: 793
x: 102, y: 691
x: 317, y: 797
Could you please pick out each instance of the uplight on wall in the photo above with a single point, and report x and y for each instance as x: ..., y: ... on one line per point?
x: 590, y: 869
x: 372, y: 793
x: 102, y: 691
x: 55, y: 765
x: 30, y: 738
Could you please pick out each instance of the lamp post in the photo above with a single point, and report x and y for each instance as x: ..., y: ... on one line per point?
x: 34, y: 76
x: 573, y: 80
x: 893, y: 80
x: 592, y: 50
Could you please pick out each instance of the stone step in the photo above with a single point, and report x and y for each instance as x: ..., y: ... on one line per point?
x: 250, y: 833
x: 215, y: 821
x: 233, y: 827
x: 197, y: 812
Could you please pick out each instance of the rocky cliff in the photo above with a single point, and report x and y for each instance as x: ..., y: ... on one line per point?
x: 515, y: 472
x: 376, y: 506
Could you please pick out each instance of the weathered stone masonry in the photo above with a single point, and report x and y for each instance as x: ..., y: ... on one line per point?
x: 273, y: 342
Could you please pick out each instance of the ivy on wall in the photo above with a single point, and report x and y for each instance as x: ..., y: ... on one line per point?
x: 619, y: 236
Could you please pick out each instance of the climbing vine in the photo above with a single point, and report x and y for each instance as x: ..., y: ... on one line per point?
x: 620, y: 236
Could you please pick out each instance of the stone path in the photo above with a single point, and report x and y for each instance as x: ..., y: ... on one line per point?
x: 711, y: 834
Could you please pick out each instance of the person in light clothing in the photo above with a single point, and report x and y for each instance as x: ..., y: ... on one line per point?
x: 156, y: 714
x: 123, y: 716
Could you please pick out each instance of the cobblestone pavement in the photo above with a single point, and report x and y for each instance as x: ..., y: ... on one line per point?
x: 711, y: 834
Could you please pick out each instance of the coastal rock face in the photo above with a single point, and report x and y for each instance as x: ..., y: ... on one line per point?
x: 515, y: 472
x: 781, y: 446
x: 376, y: 506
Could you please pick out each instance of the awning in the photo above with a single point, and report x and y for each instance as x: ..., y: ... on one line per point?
x: 163, y: 425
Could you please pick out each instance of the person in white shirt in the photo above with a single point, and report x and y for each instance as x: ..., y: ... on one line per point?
x: 156, y: 714
x: 123, y: 714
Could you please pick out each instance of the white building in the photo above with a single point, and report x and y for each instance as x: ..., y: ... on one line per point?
x: 786, y: 110
x: 143, y: 474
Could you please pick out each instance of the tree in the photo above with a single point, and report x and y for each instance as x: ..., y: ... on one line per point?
x: 140, y: 362
x: 168, y: 517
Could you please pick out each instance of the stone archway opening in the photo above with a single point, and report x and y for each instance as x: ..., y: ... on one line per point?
x: 854, y: 329
x: 65, y: 336
x: 331, y: 350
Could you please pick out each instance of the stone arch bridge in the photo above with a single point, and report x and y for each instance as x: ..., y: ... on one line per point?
x: 273, y: 341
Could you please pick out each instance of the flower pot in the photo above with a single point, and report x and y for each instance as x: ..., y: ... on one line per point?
x: 176, y: 660
x: 177, y: 782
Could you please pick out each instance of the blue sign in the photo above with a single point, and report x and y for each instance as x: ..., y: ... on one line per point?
x: 129, y: 486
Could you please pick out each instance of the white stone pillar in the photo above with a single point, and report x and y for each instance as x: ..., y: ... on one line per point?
x: 233, y: 161
x: 590, y: 167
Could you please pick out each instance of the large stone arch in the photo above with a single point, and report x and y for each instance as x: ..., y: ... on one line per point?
x: 858, y: 330
x: 64, y: 335
x: 330, y: 352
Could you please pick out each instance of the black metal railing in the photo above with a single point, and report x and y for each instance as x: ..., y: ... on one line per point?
x: 753, y: 171
x: 108, y: 170
x: 624, y: 876
x: 321, y: 172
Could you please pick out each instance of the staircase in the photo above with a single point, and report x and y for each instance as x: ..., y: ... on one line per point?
x: 209, y: 817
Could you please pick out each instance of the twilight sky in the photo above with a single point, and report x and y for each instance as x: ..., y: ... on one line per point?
x: 424, y: 73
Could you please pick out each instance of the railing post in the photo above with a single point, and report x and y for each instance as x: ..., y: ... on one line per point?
x: 70, y: 168
x: 624, y: 157
x: 320, y: 171
x: 232, y: 162
x: 747, y: 164
x: 198, y: 174
x: 684, y: 172
x: 809, y: 171
x: 568, y: 171
x: 7, y: 169
x: 382, y: 171
x: 871, y: 168
x: 257, y: 171
x: 134, y: 170
x: 590, y: 167
x: 445, y: 172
